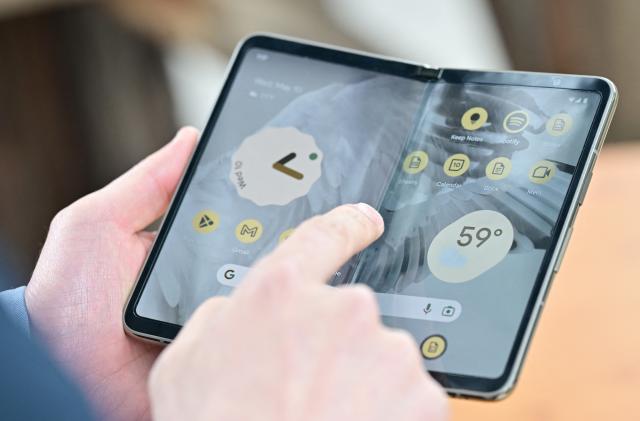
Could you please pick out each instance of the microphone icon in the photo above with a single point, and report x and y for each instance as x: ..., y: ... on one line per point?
x: 427, y: 309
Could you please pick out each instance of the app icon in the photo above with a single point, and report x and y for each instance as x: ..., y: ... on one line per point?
x: 249, y: 231
x: 516, y: 121
x: 474, y: 118
x: 456, y: 165
x: 205, y: 221
x: 285, y: 234
x: 559, y: 124
x: 498, y: 168
x: 276, y: 166
x: 433, y: 347
x: 415, y: 162
x: 542, y: 171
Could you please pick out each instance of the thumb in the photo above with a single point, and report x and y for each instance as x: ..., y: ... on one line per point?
x: 141, y: 195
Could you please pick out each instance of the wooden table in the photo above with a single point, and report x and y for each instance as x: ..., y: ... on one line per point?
x: 584, y: 362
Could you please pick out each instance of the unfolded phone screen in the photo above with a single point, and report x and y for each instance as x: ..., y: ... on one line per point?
x: 470, y: 179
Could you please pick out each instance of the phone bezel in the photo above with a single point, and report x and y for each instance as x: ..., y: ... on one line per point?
x: 458, y: 385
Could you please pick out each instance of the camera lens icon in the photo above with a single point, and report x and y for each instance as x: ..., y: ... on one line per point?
x: 448, y: 311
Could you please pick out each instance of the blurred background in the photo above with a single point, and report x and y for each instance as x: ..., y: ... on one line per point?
x: 87, y: 88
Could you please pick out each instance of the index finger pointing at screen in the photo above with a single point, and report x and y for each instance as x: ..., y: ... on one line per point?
x: 322, y: 244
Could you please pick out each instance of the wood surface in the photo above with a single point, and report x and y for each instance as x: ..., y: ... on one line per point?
x: 584, y: 361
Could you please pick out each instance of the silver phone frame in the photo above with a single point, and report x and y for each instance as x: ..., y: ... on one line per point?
x: 558, y: 253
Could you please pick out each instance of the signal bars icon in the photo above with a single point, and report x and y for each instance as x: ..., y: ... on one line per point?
x: 578, y: 100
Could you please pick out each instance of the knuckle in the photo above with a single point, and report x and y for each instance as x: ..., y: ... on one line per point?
x: 318, y: 228
x: 338, y: 229
x: 356, y: 219
x: 77, y: 213
x: 63, y: 217
x: 342, y: 227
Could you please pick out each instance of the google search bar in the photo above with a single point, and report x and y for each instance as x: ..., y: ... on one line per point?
x: 392, y: 305
x: 420, y: 308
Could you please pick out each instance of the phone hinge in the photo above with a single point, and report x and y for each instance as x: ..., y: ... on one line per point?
x: 428, y: 72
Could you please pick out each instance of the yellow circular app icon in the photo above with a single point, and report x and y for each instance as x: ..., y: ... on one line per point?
x: 249, y: 231
x: 456, y: 165
x: 542, y: 171
x: 474, y: 118
x: 415, y: 162
x: 285, y: 234
x: 559, y: 124
x: 516, y: 121
x: 498, y: 168
x: 433, y: 347
x: 205, y: 221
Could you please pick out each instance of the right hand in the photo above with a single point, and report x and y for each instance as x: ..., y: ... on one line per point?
x: 285, y: 346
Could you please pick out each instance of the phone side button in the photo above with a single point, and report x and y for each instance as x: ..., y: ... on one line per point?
x: 563, y: 249
x: 587, y: 180
x: 585, y: 187
x: 545, y: 293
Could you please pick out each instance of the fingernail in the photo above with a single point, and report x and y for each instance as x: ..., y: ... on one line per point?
x: 372, y: 214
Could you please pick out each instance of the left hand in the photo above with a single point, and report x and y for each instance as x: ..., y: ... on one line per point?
x: 88, y: 265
